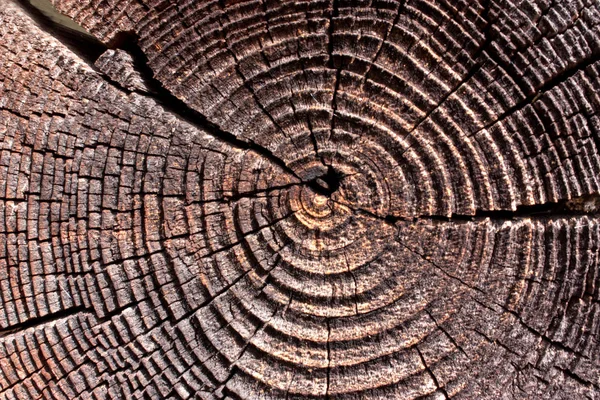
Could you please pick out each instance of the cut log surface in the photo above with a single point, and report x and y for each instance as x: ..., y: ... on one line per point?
x: 276, y: 199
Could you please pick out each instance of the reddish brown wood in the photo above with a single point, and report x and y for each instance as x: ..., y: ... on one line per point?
x: 272, y: 199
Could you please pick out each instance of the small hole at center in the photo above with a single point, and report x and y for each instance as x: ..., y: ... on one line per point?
x: 328, y: 183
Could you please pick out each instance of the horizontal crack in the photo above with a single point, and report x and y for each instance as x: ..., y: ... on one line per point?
x: 581, y: 205
x: 577, y: 206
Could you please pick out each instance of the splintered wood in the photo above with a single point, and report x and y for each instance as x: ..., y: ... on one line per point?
x: 276, y: 199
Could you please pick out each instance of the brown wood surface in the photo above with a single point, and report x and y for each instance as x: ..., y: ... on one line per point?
x: 276, y: 199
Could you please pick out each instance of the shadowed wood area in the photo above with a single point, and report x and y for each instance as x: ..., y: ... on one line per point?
x: 277, y: 199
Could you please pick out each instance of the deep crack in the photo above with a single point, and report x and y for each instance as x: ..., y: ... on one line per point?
x: 64, y: 29
x: 89, y: 48
x: 588, y: 204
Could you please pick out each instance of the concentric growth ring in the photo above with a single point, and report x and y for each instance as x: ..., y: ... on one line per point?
x: 301, y: 199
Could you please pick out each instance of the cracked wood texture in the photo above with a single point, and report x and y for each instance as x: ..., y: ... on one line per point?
x: 327, y: 199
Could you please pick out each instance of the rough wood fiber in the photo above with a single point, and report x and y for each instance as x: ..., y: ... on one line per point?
x: 301, y: 199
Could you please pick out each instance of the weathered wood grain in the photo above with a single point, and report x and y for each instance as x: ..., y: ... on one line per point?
x: 272, y: 199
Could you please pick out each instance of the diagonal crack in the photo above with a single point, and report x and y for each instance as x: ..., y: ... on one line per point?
x: 64, y: 29
x: 477, y: 66
x: 431, y: 374
x: 179, y: 108
x: 89, y: 49
x: 43, y: 320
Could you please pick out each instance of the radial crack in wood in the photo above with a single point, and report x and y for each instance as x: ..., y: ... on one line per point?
x: 272, y: 199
